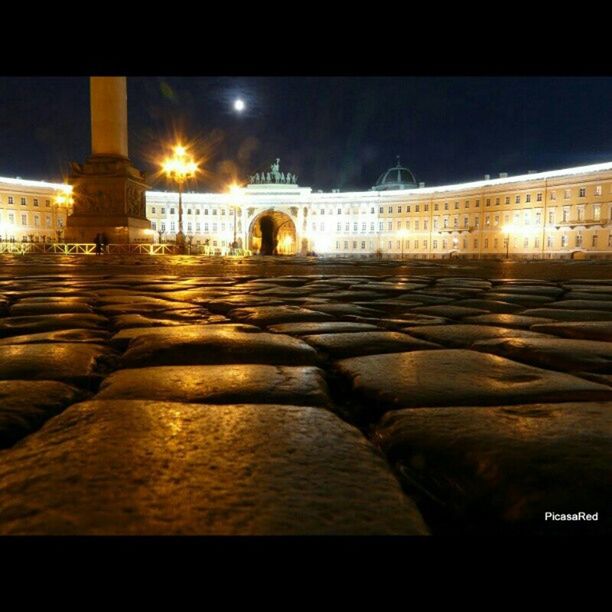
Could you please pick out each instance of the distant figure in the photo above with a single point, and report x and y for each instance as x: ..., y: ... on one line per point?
x: 98, y: 241
x: 104, y: 241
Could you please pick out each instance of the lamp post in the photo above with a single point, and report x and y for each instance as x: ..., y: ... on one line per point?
x: 235, y: 191
x: 507, y: 229
x: 179, y: 169
x: 402, y: 234
x: 63, y: 199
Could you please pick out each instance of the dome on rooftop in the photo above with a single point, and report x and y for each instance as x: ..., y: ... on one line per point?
x: 397, y: 177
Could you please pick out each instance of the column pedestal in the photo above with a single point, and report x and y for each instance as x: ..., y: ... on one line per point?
x: 109, y: 198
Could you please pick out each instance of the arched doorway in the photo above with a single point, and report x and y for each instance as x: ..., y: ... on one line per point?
x: 273, y: 233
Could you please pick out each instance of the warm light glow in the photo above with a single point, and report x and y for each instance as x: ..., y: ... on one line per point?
x: 235, y: 189
x: 180, y: 167
x: 509, y: 228
x: 239, y: 105
x: 403, y: 233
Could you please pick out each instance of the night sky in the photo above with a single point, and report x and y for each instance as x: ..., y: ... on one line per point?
x: 333, y: 132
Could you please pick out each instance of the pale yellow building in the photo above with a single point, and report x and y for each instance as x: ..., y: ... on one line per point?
x: 556, y: 214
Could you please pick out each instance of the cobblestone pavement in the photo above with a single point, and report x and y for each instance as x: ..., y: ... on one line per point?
x: 138, y: 402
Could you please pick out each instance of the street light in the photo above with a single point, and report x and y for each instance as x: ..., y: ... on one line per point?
x: 402, y: 234
x: 508, y: 229
x: 179, y: 169
x: 63, y: 199
x: 236, y: 191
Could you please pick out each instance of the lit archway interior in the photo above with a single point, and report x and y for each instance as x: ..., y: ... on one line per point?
x: 273, y: 233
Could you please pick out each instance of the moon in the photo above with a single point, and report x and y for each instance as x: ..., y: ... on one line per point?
x: 239, y: 105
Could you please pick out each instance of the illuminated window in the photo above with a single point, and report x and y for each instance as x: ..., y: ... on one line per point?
x: 596, y: 212
x: 564, y: 240
x: 549, y: 242
x: 36, y: 221
x: 578, y: 239
x: 598, y: 190
x: 568, y: 194
x: 172, y: 226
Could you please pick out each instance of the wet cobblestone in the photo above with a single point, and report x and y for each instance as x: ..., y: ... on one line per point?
x: 203, y: 398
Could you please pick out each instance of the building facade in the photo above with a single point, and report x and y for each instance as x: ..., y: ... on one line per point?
x: 561, y: 213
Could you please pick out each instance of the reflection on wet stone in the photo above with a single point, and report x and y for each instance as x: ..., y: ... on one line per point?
x: 221, y: 404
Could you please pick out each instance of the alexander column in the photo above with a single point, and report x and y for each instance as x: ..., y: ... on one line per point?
x: 108, y: 191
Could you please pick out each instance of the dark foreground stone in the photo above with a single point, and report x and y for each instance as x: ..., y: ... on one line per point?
x: 584, y: 330
x: 216, y: 344
x: 225, y: 384
x: 453, y: 378
x: 499, y: 470
x: 25, y: 405
x: 555, y: 353
x: 170, y: 468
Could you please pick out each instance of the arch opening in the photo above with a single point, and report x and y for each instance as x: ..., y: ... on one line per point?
x: 273, y: 233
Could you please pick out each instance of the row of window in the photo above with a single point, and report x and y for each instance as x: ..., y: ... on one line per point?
x: 161, y: 226
x: 189, y: 211
x: 24, y: 219
x: 444, y: 244
x: 416, y: 223
x: 24, y: 201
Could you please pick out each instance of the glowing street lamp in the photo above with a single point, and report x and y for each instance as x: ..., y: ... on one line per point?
x: 63, y: 199
x: 179, y: 169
